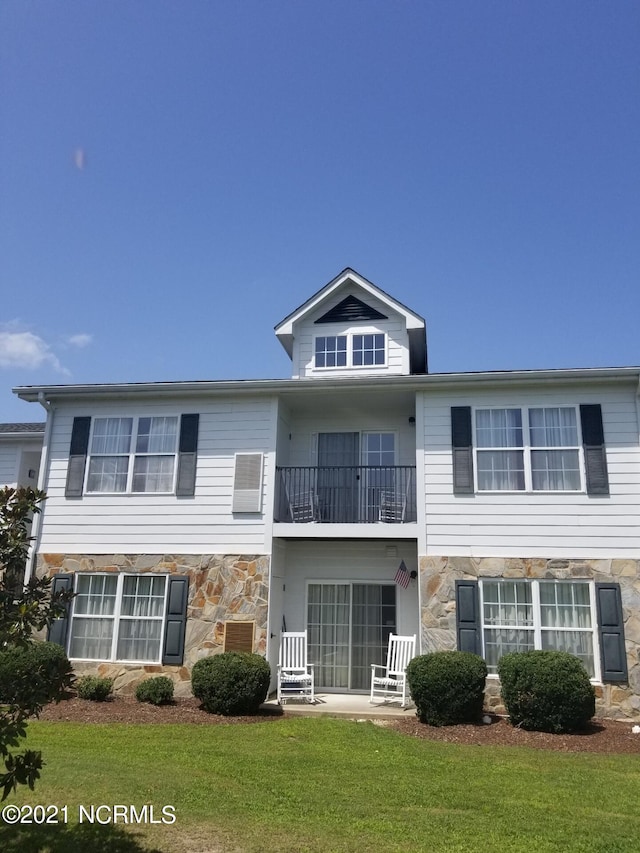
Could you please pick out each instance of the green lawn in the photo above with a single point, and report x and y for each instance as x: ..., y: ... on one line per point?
x: 305, y: 784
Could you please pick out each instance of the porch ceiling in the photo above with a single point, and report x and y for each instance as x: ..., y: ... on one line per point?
x: 350, y: 402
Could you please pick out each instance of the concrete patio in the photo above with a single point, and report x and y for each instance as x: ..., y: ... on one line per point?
x: 343, y: 705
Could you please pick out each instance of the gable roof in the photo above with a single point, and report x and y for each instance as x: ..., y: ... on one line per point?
x: 415, y: 324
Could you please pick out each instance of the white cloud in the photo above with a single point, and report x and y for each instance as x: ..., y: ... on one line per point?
x: 81, y: 340
x: 24, y: 349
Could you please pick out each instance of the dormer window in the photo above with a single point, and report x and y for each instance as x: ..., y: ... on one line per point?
x: 368, y: 350
x: 352, y: 327
x: 331, y: 351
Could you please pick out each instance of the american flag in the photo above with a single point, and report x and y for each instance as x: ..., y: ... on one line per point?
x: 402, y: 577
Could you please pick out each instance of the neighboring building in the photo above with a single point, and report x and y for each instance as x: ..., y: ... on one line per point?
x: 191, y: 517
x: 20, y: 451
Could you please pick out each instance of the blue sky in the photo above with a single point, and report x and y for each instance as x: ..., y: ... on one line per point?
x: 176, y: 177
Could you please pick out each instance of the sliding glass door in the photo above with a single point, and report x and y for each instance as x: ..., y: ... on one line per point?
x: 348, y: 627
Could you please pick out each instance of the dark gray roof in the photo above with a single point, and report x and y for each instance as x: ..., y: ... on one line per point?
x: 9, y: 429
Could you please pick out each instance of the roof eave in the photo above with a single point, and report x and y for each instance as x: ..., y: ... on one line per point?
x: 273, y: 386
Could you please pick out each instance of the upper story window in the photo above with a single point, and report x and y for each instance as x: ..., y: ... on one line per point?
x: 533, y: 449
x: 368, y: 349
x: 331, y: 351
x: 361, y: 350
x: 133, y: 454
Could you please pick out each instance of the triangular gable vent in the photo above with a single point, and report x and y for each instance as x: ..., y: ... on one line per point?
x: 351, y: 309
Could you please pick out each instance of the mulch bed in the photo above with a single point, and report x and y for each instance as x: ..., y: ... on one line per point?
x: 603, y: 736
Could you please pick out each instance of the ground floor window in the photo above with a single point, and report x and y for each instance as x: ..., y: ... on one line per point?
x: 348, y: 627
x: 118, y: 617
x: 518, y: 615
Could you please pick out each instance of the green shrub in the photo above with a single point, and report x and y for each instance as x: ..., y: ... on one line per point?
x: 157, y: 691
x: 39, y: 670
x: 93, y: 687
x: 546, y: 691
x: 447, y: 687
x: 231, y: 683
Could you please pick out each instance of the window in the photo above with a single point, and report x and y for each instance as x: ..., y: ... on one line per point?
x: 555, y: 456
x: 533, y: 449
x: 518, y: 615
x: 368, y: 349
x: 331, y: 351
x: 501, y: 467
x: 133, y: 454
x: 350, y: 350
x: 118, y: 617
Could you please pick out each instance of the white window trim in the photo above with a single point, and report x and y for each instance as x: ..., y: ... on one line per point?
x: 526, y: 450
x: 537, y: 620
x: 350, y: 365
x: 132, y: 454
x: 117, y: 618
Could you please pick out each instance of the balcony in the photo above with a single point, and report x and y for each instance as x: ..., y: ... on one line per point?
x: 359, y: 494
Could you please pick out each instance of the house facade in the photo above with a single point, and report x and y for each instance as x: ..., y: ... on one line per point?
x: 484, y: 511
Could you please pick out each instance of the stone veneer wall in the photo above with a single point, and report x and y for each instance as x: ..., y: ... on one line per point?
x: 221, y: 588
x: 437, y: 586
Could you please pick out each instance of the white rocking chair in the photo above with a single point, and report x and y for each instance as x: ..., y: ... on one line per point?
x: 303, y: 507
x: 393, y: 508
x: 393, y: 683
x: 295, y: 675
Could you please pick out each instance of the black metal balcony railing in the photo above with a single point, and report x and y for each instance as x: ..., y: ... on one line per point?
x: 358, y: 494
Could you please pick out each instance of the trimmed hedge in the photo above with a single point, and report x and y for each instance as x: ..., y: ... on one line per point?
x: 93, y: 687
x: 156, y: 691
x: 447, y: 687
x: 546, y: 691
x: 231, y: 683
x: 37, y: 672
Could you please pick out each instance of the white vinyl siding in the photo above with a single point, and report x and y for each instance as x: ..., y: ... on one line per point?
x: 536, y: 523
x: 143, y: 523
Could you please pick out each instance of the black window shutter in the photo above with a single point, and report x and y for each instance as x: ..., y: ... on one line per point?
x: 176, y: 620
x: 462, y: 450
x: 613, y: 655
x: 187, y: 456
x: 59, y: 628
x: 77, y: 457
x: 595, y: 454
x: 468, y: 617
